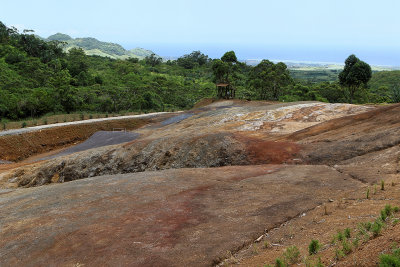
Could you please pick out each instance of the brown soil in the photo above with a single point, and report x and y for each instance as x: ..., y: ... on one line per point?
x: 182, y: 217
x: 22, y: 146
x: 208, y: 139
x: 259, y: 151
x: 202, y: 216
x: 343, y: 212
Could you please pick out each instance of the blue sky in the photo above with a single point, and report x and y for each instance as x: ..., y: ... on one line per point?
x: 310, y: 30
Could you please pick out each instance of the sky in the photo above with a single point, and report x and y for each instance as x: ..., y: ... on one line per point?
x: 302, y: 30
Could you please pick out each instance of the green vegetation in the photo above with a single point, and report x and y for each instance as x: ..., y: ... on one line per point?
x: 314, y: 263
x: 347, y: 232
x: 292, y: 255
x: 390, y: 260
x: 280, y: 263
x: 55, y: 76
x: 268, y: 79
x: 315, y: 75
x: 356, y: 73
x: 94, y: 47
x: 344, y: 241
x: 38, y: 78
x: 314, y: 247
x: 385, y: 86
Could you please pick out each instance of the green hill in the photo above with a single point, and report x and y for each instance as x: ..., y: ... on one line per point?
x: 92, y: 46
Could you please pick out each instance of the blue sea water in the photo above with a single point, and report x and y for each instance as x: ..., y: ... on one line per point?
x: 384, y: 56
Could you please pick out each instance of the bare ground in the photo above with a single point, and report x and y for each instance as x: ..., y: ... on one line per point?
x: 193, y: 219
x: 325, y: 155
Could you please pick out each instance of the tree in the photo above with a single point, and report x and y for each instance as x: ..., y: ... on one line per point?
x: 221, y: 71
x: 77, y: 61
x: 355, y: 74
x: 196, y: 58
x: 269, y: 79
x: 229, y: 57
x: 153, y: 60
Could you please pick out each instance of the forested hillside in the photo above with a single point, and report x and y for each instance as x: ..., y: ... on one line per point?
x: 94, y: 47
x: 38, y: 77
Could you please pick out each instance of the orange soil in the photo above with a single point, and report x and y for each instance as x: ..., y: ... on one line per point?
x: 22, y: 146
x: 268, y: 152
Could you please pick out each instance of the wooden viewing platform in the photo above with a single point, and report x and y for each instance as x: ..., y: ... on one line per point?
x: 225, y: 90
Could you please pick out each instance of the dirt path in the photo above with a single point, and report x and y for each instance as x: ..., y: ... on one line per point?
x: 17, y: 146
x: 42, y: 127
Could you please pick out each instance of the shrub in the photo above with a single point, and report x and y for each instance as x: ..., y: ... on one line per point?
x: 90, y: 116
x: 314, y: 247
x: 311, y: 263
x: 363, y: 231
x: 382, y: 185
x: 396, y: 252
x: 339, y: 236
x: 319, y: 263
x: 45, y: 121
x: 347, y: 232
x: 376, y: 227
x: 387, y: 260
x: 368, y: 193
x: 384, y: 215
x: 396, y: 209
x: 346, y: 247
x: 367, y: 225
x: 388, y: 209
x: 339, y: 254
x: 81, y: 116
x: 386, y: 212
x: 356, y: 242
x: 280, y: 263
x: 23, y: 125
x: 4, y: 123
x: 292, y: 255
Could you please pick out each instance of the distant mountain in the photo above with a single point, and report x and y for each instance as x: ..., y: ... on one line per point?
x: 92, y: 46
